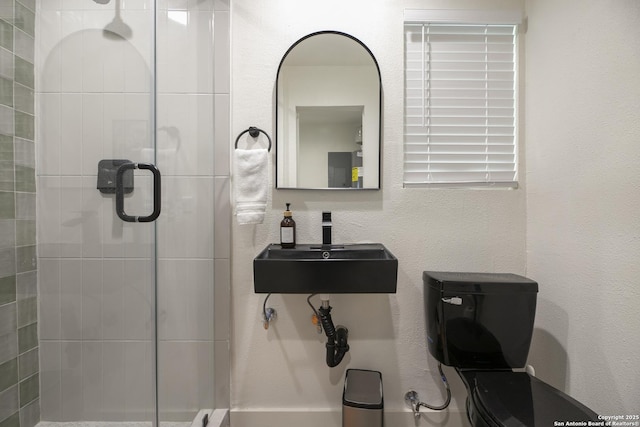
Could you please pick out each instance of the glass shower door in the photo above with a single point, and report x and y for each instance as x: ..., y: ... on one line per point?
x: 97, y: 273
x: 126, y: 331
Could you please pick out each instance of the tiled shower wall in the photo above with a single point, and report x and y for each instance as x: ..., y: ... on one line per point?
x: 19, y: 377
x: 95, y: 302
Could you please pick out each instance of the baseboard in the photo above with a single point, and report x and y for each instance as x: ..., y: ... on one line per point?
x: 328, y: 418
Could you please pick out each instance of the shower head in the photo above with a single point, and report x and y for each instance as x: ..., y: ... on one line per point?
x: 117, y: 29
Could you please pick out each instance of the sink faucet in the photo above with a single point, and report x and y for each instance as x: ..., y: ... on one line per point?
x: 326, y: 228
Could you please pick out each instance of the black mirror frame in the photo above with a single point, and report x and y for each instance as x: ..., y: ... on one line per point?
x: 284, y: 57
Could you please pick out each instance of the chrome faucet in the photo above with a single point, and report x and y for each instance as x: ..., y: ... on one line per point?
x: 326, y: 228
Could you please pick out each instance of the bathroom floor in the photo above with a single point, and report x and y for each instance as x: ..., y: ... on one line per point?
x: 110, y: 424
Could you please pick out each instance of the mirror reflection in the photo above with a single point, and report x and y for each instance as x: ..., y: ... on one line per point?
x: 328, y: 115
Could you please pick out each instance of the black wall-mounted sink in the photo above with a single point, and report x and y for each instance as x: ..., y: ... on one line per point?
x: 306, y: 269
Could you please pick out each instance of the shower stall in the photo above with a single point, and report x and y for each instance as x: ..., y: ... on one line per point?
x: 114, y: 316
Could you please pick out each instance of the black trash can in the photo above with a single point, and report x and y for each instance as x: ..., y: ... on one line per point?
x: 362, y: 399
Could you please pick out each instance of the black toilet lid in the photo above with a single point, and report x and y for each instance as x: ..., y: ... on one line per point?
x: 516, y: 398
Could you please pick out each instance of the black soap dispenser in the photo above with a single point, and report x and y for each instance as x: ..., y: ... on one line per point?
x: 288, y: 230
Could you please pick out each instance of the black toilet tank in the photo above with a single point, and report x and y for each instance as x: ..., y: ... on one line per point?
x: 479, y: 320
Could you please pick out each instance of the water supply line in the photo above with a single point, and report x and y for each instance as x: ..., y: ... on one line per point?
x: 268, y: 314
x: 412, y: 399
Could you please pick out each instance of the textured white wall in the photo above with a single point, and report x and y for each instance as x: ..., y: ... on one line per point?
x: 583, y: 198
x: 472, y: 230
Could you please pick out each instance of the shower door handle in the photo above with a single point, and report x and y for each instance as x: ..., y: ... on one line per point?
x: 120, y: 192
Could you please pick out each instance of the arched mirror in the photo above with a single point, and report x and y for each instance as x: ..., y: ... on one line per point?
x: 328, y: 103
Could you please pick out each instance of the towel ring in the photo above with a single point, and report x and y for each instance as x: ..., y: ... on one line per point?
x: 254, y: 132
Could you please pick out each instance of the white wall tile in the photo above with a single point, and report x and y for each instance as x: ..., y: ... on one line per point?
x: 185, y: 54
x: 201, y: 29
x: 173, y: 4
x: 185, y: 227
x: 137, y: 72
x: 48, y: 4
x: 205, y: 113
x: 113, y: 112
x: 132, y: 134
x: 115, y: 66
x: 138, y: 380
x: 112, y: 299
x: 139, y: 237
x: 222, y: 370
x: 112, y: 229
x: 71, y: 134
x: 201, y: 5
x: 70, y: 299
x: 48, y: 226
x: 48, y: 61
x: 138, y: 50
x: 188, y: 384
x: 125, y: 239
x: 222, y: 215
x: 78, y: 4
x: 71, y: 380
x: 71, y: 216
x: 48, y: 133
x: 221, y: 59
x: 50, y: 368
x: 49, y: 299
x: 91, y: 299
x: 222, y: 137
x: 126, y: 126
x: 185, y: 134
x: 220, y: 5
x: 185, y: 299
x: 94, y: 44
x: 92, y: 372
x: 92, y: 216
x: 136, y: 4
x: 169, y: 29
x: 138, y: 300
x: 113, y: 394
x: 70, y: 47
x: 92, y: 132
x: 221, y: 298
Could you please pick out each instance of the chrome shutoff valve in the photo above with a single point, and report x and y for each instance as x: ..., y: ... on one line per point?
x: 269, y: 316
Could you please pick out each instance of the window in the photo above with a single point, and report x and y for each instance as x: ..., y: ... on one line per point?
x: 460, y: 104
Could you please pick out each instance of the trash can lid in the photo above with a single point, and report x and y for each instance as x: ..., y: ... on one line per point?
x: 363, y: 389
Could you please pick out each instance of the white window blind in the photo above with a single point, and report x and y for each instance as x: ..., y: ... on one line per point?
x: 460, y: 104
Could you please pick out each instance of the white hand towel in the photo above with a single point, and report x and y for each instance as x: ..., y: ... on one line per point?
x: 251, y: 182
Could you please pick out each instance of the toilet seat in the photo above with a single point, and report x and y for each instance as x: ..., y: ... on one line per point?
x: 509, y: 399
